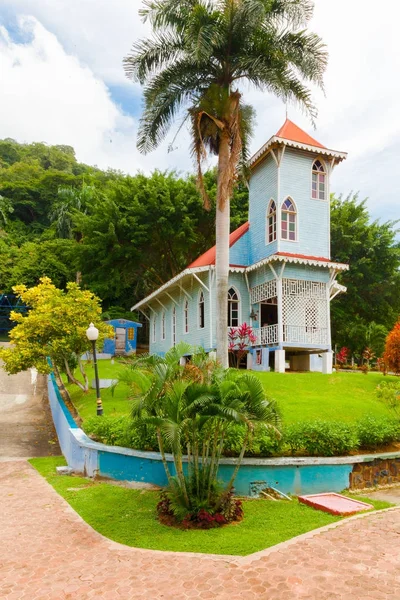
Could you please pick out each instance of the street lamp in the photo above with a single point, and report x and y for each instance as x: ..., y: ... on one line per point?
x: 92, y: 334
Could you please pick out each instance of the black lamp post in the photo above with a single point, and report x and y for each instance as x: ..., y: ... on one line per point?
x: 92, y: 334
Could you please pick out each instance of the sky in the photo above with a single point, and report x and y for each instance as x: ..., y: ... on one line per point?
x: 62, y: 82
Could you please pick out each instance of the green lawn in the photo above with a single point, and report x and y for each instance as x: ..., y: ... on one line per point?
x: 344, y: 397
x: 114, y: 403
x: 128, y: 516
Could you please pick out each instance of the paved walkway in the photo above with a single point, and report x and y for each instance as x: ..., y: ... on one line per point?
x: 47, y: 552
x: 26, y: 427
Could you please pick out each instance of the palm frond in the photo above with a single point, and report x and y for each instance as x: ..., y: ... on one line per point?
x: 149, y: 56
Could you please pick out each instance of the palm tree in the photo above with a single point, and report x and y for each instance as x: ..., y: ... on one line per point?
x: 5, y: 209
x: 69, y: 200
x: 192, y: 407
x: 200, y: 55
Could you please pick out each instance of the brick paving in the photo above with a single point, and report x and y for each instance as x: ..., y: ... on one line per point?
x: 48, y: 553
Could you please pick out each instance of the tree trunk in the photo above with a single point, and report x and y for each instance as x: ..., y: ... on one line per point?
x: 238, y: 463
x: 222, y: 248
x: 83, y: 373
x: 71, y: 378
x: 163, y: 458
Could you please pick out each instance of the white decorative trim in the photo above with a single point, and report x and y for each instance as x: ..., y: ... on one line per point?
x: 168, y: 284
x: 265, y: 261
x: 298, y: 261
x: 201, y: 282
x: 264, y: 291
x: 267, y: 147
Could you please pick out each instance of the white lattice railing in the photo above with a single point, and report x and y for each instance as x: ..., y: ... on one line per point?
x: 266, y: 335
x: 305, y: 335
x: 264, y: 291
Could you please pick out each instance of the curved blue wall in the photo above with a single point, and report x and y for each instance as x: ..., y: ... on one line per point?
x: 290, y: 475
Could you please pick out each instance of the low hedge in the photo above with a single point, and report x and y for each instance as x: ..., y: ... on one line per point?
x: 315, y: 438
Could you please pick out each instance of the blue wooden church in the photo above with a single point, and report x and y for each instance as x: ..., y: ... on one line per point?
x: 281, y: 276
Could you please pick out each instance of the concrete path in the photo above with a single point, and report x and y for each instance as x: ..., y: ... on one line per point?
x: 391, y: 495
x: 26, y: 427
x: 47, y: 552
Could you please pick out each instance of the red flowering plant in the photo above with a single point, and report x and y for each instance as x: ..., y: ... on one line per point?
x: 367, y: 355
x: 341, y: 356
x: 239, y: 340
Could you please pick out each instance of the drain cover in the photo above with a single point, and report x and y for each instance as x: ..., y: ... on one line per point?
x: 336, y: 504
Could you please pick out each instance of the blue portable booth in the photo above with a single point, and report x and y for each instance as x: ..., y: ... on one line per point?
x: 125, y: 337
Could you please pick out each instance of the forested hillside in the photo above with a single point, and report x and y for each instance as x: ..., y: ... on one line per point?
x: 122, y: 236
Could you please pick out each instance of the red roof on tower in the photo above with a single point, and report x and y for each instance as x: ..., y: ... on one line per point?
x: 208, y: 258
x: 290, y: 131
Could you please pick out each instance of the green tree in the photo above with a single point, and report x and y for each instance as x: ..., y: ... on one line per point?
x: 199, y: 57
x: 373, y: 281
x: 55, y: 328
x: 70, y: 199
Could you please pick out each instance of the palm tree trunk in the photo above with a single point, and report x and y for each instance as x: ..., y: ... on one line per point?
x: 239, y: 462
x: 181, y: 476
x: 222, y: 248
x: 164, y: 460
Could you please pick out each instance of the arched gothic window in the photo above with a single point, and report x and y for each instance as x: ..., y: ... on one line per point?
x: 174, y: 326
x: 318, y: 189
x: 201, y: 310
x: 233, y: 308
x: 186, y: 316
x: 288, y: 223
x: 163, y: 326
x: 271, y: 222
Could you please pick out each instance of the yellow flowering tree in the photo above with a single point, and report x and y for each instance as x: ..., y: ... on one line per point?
x: 54, y: 327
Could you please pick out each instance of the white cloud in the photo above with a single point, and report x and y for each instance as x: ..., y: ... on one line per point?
x: 99, y: 32
x: 58, y: 93
x: 48, y: 95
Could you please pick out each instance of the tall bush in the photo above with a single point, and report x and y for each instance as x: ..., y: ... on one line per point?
x: 392, y: 349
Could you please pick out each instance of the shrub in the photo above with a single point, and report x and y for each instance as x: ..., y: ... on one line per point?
x: 107, y: 430
x: 120, y: 431
x: 392, y: 349
x: 389, y: 393
x: 320, y: 438
x: 200, y: 517
x: 341, y: 356
x: 263, y: 443
x: 373, y: 432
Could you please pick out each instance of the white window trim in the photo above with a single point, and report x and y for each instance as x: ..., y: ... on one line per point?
x: 267, y: 242
x: 296, y: 221
x: 323, y: 163
x: 163, y: 327
x: 173, y: 326
x: 154, y: 330
x: 233, y: 287
x: 201, y: 293
x: 186, y: 317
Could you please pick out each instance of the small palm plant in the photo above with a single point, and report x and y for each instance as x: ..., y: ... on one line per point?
x: 192, y: 406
